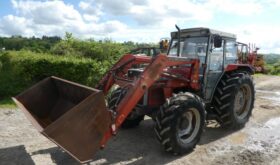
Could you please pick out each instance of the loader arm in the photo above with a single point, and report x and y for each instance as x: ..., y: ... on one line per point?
x: 151, y: 73
x: 123, y: 64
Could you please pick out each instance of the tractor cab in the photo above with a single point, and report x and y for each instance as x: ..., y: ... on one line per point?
x: 214, y: 49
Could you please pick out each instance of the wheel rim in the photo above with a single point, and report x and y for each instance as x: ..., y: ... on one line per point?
x: 188, y: 125
x: 242, y: 101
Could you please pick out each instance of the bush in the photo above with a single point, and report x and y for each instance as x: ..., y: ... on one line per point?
x: 22, y: 69
x: 98, y: 50
x: 63, y: 48
x: 276, y: 69
x: 34, y: 44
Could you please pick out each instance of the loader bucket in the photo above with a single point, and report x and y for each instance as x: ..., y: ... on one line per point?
x: 73, y: 116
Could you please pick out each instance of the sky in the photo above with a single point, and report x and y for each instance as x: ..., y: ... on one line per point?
x: 253, y: 21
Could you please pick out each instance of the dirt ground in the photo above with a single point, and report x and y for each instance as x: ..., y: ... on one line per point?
x: 257, y: 143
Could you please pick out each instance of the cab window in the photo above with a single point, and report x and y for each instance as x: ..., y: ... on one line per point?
x: 231, y: 51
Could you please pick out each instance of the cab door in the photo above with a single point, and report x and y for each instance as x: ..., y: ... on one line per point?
x: 215, y: 68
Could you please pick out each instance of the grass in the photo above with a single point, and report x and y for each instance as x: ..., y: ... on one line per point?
x: 7, y: 103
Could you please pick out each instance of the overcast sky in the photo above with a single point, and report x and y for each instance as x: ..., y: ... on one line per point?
x: 255, y: 21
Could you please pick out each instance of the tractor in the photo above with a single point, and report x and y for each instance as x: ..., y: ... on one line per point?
x: 249, y: 55
x: 199, y: 79
x: 146, y: 51
x: 152, y: 51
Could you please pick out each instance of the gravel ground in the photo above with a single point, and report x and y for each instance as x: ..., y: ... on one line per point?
x: 257, y: 143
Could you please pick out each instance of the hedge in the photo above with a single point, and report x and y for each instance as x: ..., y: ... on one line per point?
x: 22, y: 69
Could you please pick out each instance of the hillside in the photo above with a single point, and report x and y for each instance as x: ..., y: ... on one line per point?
x: 272, y: 58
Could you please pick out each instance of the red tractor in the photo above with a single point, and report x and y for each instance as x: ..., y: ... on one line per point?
x: 199, y: 79
x: 249, y: 55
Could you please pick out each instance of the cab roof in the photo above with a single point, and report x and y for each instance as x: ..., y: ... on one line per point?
x: 201, y: 31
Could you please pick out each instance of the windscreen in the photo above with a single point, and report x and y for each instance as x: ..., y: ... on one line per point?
x: 192, y: 47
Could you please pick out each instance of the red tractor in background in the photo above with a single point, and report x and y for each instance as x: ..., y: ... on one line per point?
x: 199, y: 79
x: 146, y: 51
x: 152, y: 51
x: 249, y: 55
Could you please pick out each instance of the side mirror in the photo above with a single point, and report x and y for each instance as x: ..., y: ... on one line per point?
x: 217, y: 41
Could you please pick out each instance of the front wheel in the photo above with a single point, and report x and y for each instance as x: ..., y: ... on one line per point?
x: 179, y: 124
x: 133, y: 119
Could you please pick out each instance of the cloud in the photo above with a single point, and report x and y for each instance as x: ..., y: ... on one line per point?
x: 155, y: 12
x: 116, y: 7
x: 14, y: 25
x: 90, y: 9
x: 267, y: 38
x: 149, y: 12
x: 91, y: 18
x: 37, y: 18
x: 142, y: 20
x: 236, y: 7
x: 48, y: 12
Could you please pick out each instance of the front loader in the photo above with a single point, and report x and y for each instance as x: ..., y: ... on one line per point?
x: 199, y: 79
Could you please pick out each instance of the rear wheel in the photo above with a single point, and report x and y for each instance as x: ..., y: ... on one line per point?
x: 233, y: 100
x: 132, y: 119
x: 179, y: 123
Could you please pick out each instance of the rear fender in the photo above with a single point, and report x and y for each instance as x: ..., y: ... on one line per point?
x: 242, y: 67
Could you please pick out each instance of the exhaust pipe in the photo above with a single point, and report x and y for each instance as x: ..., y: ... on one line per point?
x: 179, y: 40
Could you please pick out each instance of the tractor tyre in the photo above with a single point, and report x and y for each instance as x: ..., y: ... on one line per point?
x: 114, y: 99
x: 179, y: 123
x: 233, y: 99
